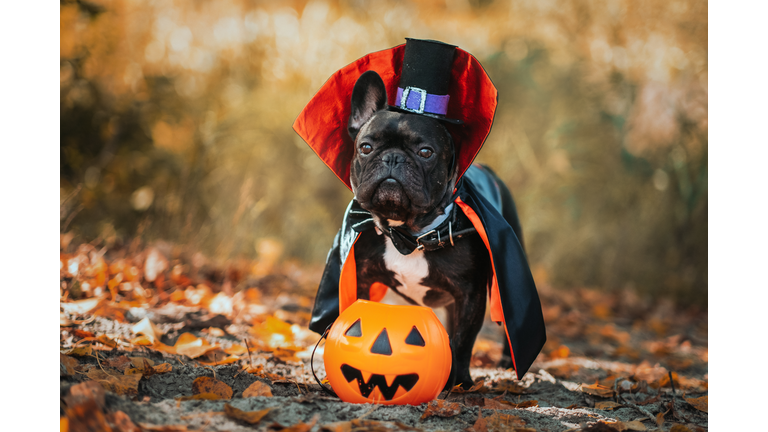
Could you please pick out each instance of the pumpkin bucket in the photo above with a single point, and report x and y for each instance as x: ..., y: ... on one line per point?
x: 387, y: 354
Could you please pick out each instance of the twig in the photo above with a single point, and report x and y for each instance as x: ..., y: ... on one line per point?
x: 369, y: 412
x: 672, y: 383
x: 212, y: 370
x: 250, y: 360
x: 628, y: 403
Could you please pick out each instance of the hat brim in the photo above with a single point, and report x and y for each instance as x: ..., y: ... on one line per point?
x: 323, y: 121
x: 434, y: 116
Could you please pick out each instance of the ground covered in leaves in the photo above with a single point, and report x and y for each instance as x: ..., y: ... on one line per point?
x: 155, y: 339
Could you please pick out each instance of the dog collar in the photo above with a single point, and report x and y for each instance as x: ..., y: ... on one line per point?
x: 452, y: 228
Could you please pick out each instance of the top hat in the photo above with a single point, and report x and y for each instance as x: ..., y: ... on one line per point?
x: 428, y: 68
x: 425, y: 79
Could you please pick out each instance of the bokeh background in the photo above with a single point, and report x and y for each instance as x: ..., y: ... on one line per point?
x: 176, y: 126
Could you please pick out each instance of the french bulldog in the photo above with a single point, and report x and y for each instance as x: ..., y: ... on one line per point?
x: 404, y: 173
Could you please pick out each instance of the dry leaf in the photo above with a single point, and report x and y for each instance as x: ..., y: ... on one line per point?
x: 80, y: 351
x: 441, y: 408
x: 163, y: 428
x: 700, y: 403
x: 510, y: 386
x: 504, y: 422
x: 607, y: 405
x: 660, y: 419
x: 679, y: 428
x: 192, y: 346
x: 258, y: 388
x: 250, y: 417
x: 236, y: 350
x: 120, y: 363
x: 211, y: 385
x: 481, y: 425
x: 477, y: 387
x: 86, y: 416
x: 106, y: 340
x: 635, y: 425
x: 81, y: 307
x: 302, y: 427
x: 148, y: 329
x: 69, y: 363
x: 597, y: 390
x: 80, y: 393
x: 614, y: 425
x: 120, y: 384
x: 122, y: 422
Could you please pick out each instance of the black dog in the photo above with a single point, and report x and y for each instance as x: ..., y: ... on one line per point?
x: 403, y: 173
x: 425, y: 223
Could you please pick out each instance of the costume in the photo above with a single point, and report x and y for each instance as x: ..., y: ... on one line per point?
x: 514, y: 301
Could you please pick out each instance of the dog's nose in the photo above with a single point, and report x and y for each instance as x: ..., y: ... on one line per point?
x: 393, y: 159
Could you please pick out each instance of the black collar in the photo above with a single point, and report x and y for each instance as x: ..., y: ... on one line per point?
x: 454, y: 227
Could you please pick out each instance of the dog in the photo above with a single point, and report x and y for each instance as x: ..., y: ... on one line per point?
x: 425, y: 222
x: 403, y: 173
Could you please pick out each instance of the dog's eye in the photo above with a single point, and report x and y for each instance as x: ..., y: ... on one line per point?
x: 425, y: 152
x: 365, y: 148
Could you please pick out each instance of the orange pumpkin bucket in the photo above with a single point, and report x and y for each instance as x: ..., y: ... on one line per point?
x: 387, y: 354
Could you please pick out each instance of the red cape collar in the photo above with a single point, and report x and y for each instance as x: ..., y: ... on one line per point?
x: 323, y: 122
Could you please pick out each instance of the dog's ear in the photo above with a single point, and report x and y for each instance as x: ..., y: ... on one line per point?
x: 368, y: 96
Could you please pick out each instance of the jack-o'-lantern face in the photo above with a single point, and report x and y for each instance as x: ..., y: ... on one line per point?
x: 387, y: 354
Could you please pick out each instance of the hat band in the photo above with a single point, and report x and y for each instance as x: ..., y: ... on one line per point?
x: 417, y: 100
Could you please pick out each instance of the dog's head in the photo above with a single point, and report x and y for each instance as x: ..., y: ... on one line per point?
x: 403, y: 170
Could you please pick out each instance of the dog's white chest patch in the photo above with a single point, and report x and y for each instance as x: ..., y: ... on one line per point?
x: 409, y: 270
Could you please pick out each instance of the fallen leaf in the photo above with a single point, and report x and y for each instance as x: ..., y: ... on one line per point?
x: 597, y: 390
x: 80, y: 351
x: 80, y: 393
x: 81, y: 307
x: 148, y: 329
x: 86, y: 416
x: 302, y: 427
x: 69, y: 363
x: 613, y: 425
x: 236, y: 349
x: 679, y: 428
x: 106, y: 340
x: 141, y: 362
x: 120, y: 363
x: 192, y: 346
x: 441, y: 408
x: 510, y: 386
x: 504, y: 422
x: 120, y: 384
x: 250, y: 417
x: 660, y: 419
x: 607, y: 405
x: 475, y: 388
x: 258, y: 388
x: 122, y: 422
x: 163, y: 428
x: 82, y: 333
x: 635, y: 425
x: 700, y: 403
x: 481, y: 425
x: 211, y: 385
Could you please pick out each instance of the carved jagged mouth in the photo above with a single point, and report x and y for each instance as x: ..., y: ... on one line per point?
x: 366, y: 388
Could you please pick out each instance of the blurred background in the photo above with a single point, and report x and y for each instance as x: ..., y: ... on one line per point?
x: 176, y: 126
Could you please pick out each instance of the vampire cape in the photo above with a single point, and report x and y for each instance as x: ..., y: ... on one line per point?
x: 514, y: 301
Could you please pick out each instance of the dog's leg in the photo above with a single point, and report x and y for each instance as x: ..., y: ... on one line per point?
x: 469, y: 313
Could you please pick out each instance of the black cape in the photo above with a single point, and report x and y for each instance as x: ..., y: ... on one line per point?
x: 515, y: 304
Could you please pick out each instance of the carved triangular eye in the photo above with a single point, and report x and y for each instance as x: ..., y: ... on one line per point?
x: 381, y: 344
x: 414, y: 338
x: 354, y: 330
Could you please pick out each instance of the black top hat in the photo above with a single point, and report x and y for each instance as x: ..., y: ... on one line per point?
x: 425, y: 78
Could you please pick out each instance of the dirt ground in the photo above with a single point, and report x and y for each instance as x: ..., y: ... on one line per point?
x: 606, y: 366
